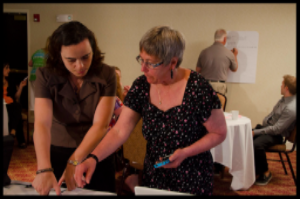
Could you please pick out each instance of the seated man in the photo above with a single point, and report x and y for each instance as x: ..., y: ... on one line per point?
x: 278, y: 124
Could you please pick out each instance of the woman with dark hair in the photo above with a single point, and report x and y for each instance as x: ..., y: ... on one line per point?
x: 74, y: 102
x: 11, y: 95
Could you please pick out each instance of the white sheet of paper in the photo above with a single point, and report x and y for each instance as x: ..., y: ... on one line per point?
x: 143, y: 191
x: 79, y: 191
x: 19, y: 188
x: 247, y: 44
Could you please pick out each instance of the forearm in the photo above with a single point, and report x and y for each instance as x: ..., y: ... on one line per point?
x: 18, y: 93
x: 110, y: 143
x: 217, y: 130
x: 282, y: 124
x: 207, y: 142
x: 42, y: 140
x: 90, y: 141
x: 276, y: 129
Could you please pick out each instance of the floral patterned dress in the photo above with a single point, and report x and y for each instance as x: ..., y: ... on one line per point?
x: 178, y: 127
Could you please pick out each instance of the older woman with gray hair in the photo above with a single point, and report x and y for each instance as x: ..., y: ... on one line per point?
x: 181, y: 115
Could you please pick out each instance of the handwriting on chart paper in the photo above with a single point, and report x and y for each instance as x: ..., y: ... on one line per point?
x: 246, y: 42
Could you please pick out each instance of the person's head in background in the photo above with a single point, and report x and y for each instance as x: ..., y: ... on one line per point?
x: 6, y: 69
x: 161, y: 52
x: 119, y: 90
x: 288, y: 86
x: 221, y: 36
x: 73, y: 50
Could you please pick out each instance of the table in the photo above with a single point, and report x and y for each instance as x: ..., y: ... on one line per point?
x: 19, y: 188
x: 236, y: 152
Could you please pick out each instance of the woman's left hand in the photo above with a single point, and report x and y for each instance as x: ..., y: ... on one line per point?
x: 68, y: 177
x: 176, y: 158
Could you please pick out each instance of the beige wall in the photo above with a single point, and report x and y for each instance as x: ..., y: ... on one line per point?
x: 119, y: 27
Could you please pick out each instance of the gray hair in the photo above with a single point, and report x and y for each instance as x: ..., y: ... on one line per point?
x: 164, y: 43
x: 220, y: 34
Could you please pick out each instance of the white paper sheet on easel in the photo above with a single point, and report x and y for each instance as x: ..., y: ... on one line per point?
x: 247, y: 44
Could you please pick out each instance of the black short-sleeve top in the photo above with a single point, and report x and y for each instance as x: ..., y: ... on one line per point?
x: 73, y: 114
x: 178, y: 127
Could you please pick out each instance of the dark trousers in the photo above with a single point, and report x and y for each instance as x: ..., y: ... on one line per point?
x: 262, y: 142
x: 103, y: 178
x: 14, y: 112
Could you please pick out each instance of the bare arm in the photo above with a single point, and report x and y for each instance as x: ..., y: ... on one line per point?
x: 43, y: 120
x: 102, y: 117
x: 19, y: 89
x: 216, y: 127
x: 43, y: 113
x: 118, y: 134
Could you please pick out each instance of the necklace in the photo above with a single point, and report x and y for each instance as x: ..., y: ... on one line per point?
x: 169, y: 90
x: 159, y: 98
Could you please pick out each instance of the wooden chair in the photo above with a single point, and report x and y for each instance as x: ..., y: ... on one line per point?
x: 134, y: 151
x: 219, y: 168
x: 281, y: 149
x: 223, y: 100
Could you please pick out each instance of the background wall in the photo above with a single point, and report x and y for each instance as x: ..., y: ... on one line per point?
x: 119, y: 27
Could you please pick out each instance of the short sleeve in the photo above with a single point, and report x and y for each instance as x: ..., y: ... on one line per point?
x: 111, y: 82
x: 207, y: 99
x: 137, y: 94
x: 41, y: 90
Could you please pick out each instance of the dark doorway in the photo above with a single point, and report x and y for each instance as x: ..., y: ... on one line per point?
x: 16, y: 50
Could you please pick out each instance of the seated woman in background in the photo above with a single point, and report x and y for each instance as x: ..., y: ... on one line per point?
x: 182, y: 119
x: 11, y: 95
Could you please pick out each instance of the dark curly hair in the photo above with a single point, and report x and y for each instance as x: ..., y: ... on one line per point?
x: 71, y: 33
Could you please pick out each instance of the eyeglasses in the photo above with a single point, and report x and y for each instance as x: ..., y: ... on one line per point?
x: 147, y: 64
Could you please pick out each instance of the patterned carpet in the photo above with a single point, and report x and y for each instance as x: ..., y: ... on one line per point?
x: 23, y: 167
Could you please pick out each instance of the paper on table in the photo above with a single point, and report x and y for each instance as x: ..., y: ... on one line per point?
x: 79, y: 191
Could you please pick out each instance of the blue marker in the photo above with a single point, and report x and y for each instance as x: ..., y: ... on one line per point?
x: 162, y: 163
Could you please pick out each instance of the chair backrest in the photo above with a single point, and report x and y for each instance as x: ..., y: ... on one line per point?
x: 134, y: 149
x: 292, y: 137
x: 223, y: 100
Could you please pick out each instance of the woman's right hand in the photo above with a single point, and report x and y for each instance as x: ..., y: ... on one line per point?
x: 43, y: 182
x: 88, y: 167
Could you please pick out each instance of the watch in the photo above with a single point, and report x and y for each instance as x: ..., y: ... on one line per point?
x: 73, y: 162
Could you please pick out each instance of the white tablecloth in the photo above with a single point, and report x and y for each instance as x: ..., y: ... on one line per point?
x: 19, y: 188
x: 236, y: 152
